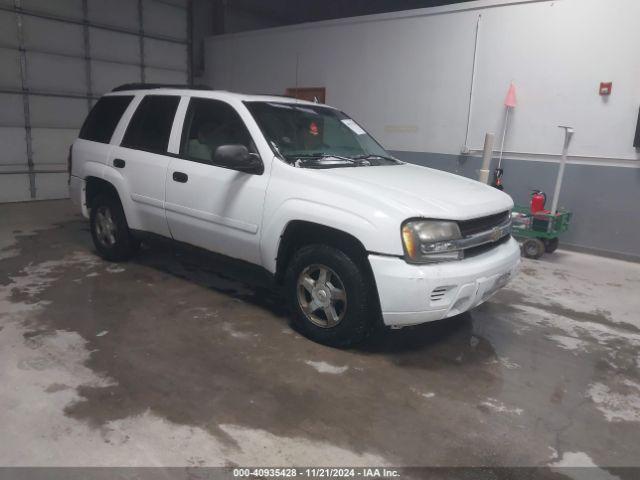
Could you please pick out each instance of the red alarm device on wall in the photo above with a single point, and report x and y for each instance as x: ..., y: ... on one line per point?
x: 605, y: 88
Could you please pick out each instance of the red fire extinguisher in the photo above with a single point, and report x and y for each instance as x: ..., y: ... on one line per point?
x: 497, y: 179
x: 538, y: 199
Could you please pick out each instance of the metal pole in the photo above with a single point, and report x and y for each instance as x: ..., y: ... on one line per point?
x: 24, y: 80
x: 190, y: 42
x: 486, y: 158
x: 504, y: 134
x: 87, y: 52
x: 568, y: 133
x: 465, y: 148
x: 141, y: 38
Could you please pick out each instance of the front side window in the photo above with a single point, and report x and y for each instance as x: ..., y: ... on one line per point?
x: 317, y: 137
x: 150, y: 127
x: 210, y: 124
x: 104, y: 117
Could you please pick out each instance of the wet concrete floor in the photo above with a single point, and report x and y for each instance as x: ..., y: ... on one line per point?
x: 166, y: 360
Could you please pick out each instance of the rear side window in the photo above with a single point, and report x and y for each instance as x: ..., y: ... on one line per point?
x: 103, y: 118
x: 150, y: 126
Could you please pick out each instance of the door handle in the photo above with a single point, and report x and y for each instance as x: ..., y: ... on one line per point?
x: 180, y: 177
x: 118, y: 163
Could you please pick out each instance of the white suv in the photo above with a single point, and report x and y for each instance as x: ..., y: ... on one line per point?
x: 299, y: 189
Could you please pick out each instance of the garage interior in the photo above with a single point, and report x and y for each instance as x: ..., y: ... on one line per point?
x: 172, y: 361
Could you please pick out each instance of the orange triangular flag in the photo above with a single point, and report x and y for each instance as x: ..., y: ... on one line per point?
x: 510, y: 101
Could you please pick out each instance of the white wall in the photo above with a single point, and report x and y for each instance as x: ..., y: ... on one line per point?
x: 406, y: 76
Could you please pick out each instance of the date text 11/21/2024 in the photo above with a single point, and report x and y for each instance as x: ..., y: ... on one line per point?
x: 316, y: 472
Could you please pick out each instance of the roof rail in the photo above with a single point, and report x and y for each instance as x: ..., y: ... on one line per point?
x: 152, y: 86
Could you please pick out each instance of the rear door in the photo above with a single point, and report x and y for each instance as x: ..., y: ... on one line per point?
x: 142, y: 160
x: 93, y: 143
x: 208, y: 205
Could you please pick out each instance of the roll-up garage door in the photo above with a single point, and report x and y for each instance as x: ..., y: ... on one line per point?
x: 57, y: 58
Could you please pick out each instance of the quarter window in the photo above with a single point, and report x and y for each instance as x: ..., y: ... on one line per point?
x: 210, y: 124
x: 150, y: 126
x: 104, y: 117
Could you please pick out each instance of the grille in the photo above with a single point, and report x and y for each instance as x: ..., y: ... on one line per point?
x: 479, y: 250
x: 477, y: 225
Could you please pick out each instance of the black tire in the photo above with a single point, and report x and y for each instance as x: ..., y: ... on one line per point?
x: 533, y: 248
x: 551, y: 245
x: 120, y: 245
x: 356, y: 313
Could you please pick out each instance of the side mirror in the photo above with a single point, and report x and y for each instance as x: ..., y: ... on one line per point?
x: 237, y: 157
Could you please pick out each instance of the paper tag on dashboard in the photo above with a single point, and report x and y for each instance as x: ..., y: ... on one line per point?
x: 355, y: 128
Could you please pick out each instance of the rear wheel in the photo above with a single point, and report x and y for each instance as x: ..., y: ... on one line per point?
x: 109, y: 229
x: 551, y: 245
x: 533, y: 248
x: 329, y: 295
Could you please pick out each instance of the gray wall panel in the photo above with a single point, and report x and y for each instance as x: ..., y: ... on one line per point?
x: 61, y: 8
x: 53, y: 36
x: 56, y: 73
x: 163, y: 19
x: 8, y: 29
x: 603, y: 199
x: 120, y: 13
x: 46, y: 112
x: 12, y: 111
x: 159, y: 75
x: 14, y: 148
x: 51, y: 146
x: 109, y: 75
x: 165, y: 54
x: 10, y: 70
x: 107, y: 45
x: 14, y: 188
x: 52, y: 185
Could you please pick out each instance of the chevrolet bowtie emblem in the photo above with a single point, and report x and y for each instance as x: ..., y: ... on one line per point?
x: 495, y: 234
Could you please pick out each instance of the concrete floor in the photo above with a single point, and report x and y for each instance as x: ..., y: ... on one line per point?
x: 163, y: 362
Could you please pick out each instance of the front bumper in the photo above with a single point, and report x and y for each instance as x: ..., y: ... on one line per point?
x: 413, y: 294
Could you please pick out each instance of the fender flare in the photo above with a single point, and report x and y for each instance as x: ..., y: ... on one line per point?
x: 297, y: 209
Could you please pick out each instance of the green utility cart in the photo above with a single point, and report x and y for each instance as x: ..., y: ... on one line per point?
x: 539, y: 232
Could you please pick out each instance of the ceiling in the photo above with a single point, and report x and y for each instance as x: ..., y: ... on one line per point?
x: 287, y: 12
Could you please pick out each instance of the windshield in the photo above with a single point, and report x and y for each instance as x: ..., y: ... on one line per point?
x: 317, y: 137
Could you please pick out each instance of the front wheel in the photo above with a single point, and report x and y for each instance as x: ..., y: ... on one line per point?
x: 329, y: 295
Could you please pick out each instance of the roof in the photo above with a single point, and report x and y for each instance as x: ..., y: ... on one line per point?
x: 202, y: 91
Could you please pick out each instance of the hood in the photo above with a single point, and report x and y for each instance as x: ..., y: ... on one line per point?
x: 427, y: 192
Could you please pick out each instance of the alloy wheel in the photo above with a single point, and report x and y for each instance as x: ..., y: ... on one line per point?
x: 105, y: 227
x: 322, y: 296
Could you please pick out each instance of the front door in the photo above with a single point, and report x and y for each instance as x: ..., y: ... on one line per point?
x: 208, y: 205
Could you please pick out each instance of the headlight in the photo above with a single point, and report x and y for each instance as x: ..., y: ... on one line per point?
x: 427, y: 241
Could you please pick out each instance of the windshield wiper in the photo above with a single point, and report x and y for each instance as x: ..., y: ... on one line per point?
x: 328, y: 155
x: 322, y: 155
x: 375, y: 155
x: 322, y: 160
